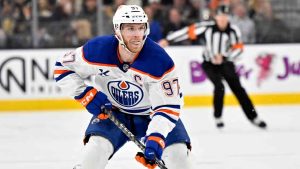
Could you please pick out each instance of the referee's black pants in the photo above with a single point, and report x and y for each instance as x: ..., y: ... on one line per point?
x: 226, y: 71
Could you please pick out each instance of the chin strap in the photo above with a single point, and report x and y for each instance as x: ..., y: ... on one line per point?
x: 121, y: 42
x: 125, y: 47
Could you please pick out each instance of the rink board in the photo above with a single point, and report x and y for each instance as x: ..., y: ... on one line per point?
x: 269, y: 73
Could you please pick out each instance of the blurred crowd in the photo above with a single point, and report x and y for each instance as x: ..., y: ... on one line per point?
x: 70, y: 23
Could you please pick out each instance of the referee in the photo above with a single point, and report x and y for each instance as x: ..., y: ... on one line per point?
x: 222, y: 45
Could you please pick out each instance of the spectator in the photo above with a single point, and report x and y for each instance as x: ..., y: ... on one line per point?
x: 6, y: 17
x: 135, y: 2
x: 165, y: 2
x: 89, y: 9
x: 15, y: 20
x: 64, y: 10
x: 175, y: 23
x: 45, y: 10
x: 109, y: 11
x: 89, y: 12
x: 22, y: 15
x: 6, y: 9
x: 235, y: 2
x: 155, y: 26
x: 83, y: 31
x: 2, y: 38
x: 158, y: 11
x: 213, y: 5
x: 241, y: 19
x: 270, y: 29
x: 7, y: 23
x: 183, y: 7
x: 44, y: 38
x: 22, y: 11
x: 194, y: 14
x: 255, y: 7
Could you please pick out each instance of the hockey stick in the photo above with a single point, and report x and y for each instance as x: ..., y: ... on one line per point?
x: 131, y: 137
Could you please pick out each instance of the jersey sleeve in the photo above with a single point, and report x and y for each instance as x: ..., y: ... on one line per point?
x: 166, y: 103
x: 191, y: 32
x: 70, y: 72
x: 237, y: 45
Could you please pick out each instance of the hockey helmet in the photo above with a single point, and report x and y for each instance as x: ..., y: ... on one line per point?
x: 129, y: 14
x: 223, y: 9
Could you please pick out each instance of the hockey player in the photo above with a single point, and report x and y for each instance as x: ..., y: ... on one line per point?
x: 222, y: 45
x: 137, y: 80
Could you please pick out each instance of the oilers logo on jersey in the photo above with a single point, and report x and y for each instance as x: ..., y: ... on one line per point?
x: 125, y: 93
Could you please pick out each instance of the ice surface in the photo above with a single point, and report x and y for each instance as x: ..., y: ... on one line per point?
x: 53, y: 140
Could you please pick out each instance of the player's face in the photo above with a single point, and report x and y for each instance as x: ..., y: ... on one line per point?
x: 133, y: 34
x: 222, y: 21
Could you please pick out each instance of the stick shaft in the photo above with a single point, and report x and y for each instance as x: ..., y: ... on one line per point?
x: 131, y: 137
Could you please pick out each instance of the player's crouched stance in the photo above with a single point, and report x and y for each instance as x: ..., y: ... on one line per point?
x: 137, y: 81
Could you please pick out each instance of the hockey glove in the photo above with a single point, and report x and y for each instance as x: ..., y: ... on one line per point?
x: 140, y: 157
x: 95, y: 102
x: 155, y: 143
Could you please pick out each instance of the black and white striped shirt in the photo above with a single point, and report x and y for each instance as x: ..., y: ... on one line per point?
x: 227, y: 42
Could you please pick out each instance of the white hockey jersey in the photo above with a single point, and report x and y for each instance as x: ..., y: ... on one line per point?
x: 148, y: 85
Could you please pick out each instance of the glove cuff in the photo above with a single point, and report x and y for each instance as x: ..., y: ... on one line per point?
x: 158, y: 138
x: 86, y: 96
